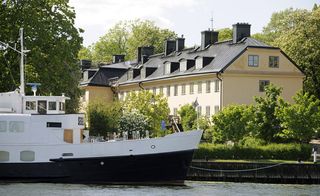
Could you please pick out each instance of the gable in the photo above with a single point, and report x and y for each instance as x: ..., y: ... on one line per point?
x: 286, y: 65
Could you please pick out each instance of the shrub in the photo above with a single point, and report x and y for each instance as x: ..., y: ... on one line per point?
x: 292, y: 151
x: 103, y: 117
x: 133, y: 121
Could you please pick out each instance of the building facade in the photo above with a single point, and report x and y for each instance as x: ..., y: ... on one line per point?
x: 216, y: 74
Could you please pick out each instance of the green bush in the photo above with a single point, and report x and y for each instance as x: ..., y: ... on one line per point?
x: 292, y: 151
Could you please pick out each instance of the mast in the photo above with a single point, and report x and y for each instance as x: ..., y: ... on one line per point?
x: 22, y: 86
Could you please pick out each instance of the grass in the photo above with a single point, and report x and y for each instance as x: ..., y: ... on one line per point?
x: 253, y: 161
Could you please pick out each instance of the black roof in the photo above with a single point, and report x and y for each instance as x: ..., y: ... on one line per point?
x: 222, y: 53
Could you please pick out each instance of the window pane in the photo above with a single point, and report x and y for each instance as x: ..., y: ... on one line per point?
x: 191, y: 88
x: 217, y: 86
x: 168, y: 91
x: 208, y: 86
x: 16, y: 126
x: 27, y: 155
x: 4, y: 156
x: 263, y: 84
x: 175, y: 111
x: 207, y: 111
x: 30, y: 105
x: 199, y: 110
x: 61, y: 106
x: 3, y: 126
x: 253, y: 60
x: 52, y: 105
x: 175, y: 90
x: 161, y: 90
x: 183, y: 89
x: 216, y: 109
x: 274, y: 61
x: 199, y: 87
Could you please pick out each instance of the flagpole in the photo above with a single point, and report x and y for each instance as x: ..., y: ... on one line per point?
x: 197, y: 117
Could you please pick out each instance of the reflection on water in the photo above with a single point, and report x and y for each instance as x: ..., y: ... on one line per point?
x: 191, y: 188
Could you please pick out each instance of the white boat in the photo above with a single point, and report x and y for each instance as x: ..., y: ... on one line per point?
x: 40, y: 143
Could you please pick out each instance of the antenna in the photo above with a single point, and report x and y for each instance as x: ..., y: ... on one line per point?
x: 211, y: 20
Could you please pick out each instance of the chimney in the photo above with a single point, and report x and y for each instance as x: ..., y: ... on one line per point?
x: 208, y: 38
x: 240, y: 31
x: 144, y: 53
x: 179, y: 44
x: 169, y: 47
x: 118, y: 58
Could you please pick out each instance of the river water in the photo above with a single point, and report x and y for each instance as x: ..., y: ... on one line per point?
x: 191, y: 188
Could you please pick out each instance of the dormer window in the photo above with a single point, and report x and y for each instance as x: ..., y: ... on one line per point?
x: 202, y: 61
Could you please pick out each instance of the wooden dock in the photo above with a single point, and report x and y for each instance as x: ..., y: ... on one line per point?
x: 287, y: 173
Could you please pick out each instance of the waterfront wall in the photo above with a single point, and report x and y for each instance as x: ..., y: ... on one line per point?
x: 293, y: 173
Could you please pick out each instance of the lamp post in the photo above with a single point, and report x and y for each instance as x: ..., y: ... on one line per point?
x: 22, y: 52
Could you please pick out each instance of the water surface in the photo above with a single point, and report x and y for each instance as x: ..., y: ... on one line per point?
x: 191, y: 188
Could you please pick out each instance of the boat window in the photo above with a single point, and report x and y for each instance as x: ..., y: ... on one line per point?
x: 30, y: 105
x: 67, y: 154
x: 54, y: 124
x: 3, y: 126
x: 61, y: 106
x: 27, y: 155
x: 52, y: 105
x: 4, y: 156
x: 16, y: 126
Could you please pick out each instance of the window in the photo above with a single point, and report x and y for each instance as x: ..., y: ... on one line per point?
x: 199, y: 87
x: 161, y: 90
x: 217, y: 86
x: 52, y: 105
x: 27, y: 155
x: 16, y: 126
x: 253, y: 60
x: 4, y: 156
x: 208, y: 86
x: 263, y: 84
x: 121, y: 96
x: 168, y: 90
x: 61, y: 106
x: 175, y: 111
x: 54, y: 124
x: 31, y: 105
x: 199, y: 110
x: 175, y: 93
x: 154, y: 90
x: 183, y: 89
x: 191, y: 88
x: 3, y: 126
x: 274, y: 61
x: 216, y: 109
x: 208, y: 111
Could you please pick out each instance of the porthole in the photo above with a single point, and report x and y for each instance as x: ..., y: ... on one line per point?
x: 153, y: 146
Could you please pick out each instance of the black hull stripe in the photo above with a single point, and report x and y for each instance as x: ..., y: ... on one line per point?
x: 163, y: 168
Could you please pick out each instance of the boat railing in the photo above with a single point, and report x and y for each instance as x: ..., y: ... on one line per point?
x: 134, y: 135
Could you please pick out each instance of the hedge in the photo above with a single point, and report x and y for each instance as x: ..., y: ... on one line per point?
x: 291, y: 151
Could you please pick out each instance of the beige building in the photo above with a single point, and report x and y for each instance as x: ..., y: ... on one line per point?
x: 215, y: 74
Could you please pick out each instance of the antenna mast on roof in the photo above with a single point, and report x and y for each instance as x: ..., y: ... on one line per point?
x: 211, y: 20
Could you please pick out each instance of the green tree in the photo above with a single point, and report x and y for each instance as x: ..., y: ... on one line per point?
x: 85, y: 53
x: 300, y: 121
x: 133, y: 121
x: 231, y: 123
x: 297, y: 32
x: 264, y: 122
x: 126, y: 36
x: 154, y: 107
x: 188, y: 116
x: 103, y: 118
x: 54, y: 43
x: 225, y: 34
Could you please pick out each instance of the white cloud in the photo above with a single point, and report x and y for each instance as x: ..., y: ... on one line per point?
x: 103, y: 14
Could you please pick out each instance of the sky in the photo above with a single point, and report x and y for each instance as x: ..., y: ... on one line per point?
x: 185, y: 17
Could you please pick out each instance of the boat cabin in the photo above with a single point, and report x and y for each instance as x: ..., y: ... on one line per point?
x: 14, y: 102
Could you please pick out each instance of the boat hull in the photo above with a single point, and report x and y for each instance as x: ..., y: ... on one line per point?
x: 159, y: 168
